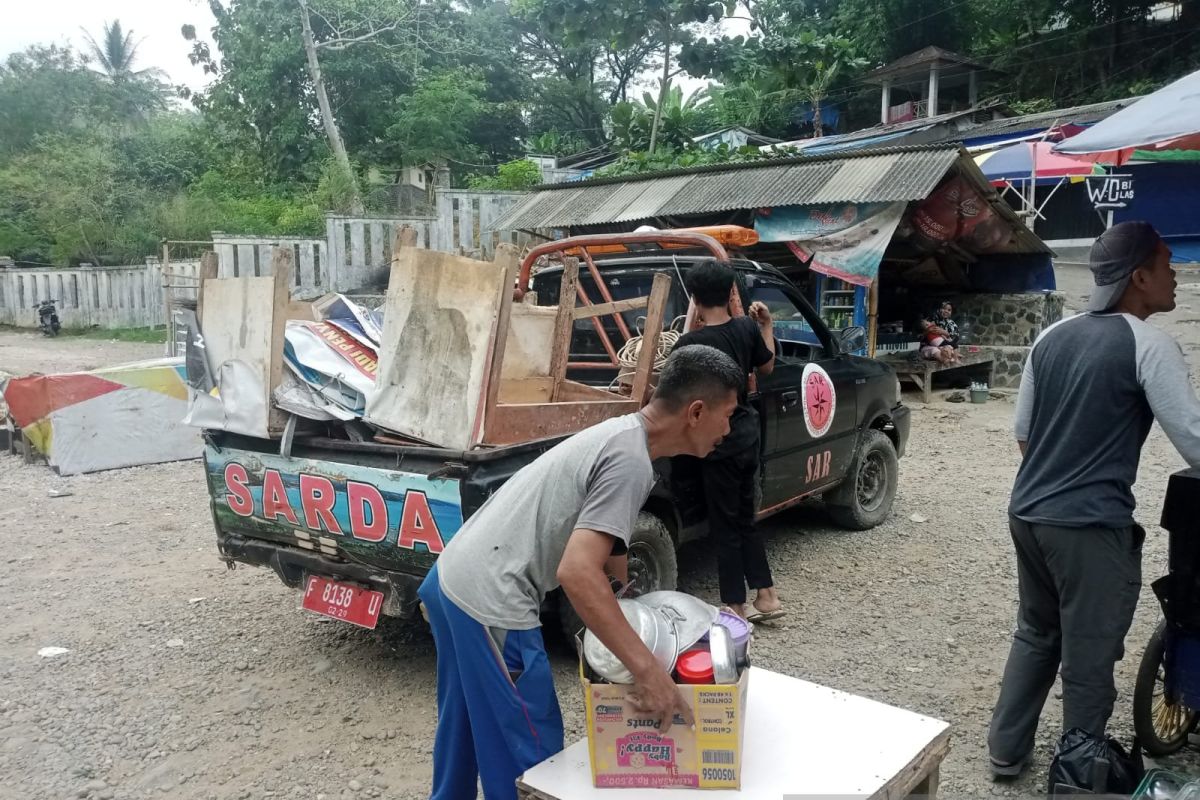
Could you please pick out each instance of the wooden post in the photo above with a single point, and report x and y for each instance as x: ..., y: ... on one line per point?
x: 281, y: 272
x: 659, y: 291
x: 208, y: 271
x: 872, y: 315
x: 564, y: 324
x: 168, y: 300
x: 509, y: 259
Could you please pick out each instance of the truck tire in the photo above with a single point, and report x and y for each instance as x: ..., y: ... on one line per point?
x: 864, y: 499
x: 652, y: 567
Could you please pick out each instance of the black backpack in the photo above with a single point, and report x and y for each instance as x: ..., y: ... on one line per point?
x: 1086, y: 764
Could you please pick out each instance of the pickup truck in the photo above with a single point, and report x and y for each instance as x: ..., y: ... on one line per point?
x: 360, y: 523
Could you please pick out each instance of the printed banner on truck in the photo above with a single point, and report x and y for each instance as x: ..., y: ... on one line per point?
x: 322, y: 505
x: 845, y: 241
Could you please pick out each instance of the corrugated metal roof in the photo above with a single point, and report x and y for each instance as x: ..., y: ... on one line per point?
x: 864, y: 176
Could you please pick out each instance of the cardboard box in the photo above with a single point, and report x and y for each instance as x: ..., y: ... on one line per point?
x: 627, y: 750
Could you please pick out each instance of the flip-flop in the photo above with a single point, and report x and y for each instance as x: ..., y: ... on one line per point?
x: 765, y: 616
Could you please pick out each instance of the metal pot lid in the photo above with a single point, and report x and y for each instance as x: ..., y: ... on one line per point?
x: 724, y: 657
x: 691, y: 616
x: 652, y: 627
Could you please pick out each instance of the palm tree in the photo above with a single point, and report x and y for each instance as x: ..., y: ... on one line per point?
x: 116, y: 55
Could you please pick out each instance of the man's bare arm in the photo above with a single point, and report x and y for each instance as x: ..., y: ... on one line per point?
x: 582, y: 576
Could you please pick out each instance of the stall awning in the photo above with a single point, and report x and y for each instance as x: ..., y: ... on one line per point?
x: 864, y: 176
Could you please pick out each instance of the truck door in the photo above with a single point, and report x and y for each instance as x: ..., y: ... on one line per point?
x: 808, y: 401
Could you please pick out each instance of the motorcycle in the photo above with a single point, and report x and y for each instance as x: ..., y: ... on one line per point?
x: 48, y: 318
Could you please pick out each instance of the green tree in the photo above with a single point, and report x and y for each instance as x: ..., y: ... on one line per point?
x: 45, y: 90
x: 680, y: 119
x: 512, y: 176
x: 627, y: 22
x: 139, y: 91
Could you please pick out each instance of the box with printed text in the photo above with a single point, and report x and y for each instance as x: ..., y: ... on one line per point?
x: 627, y: 751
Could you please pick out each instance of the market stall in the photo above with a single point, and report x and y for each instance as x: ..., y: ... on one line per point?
x: 874, y: 238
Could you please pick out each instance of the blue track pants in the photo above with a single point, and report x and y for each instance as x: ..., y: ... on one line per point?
x: 490, y: 727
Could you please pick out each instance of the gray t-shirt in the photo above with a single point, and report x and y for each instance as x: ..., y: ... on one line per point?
x: 1092, y: 387
x: 504, y: 560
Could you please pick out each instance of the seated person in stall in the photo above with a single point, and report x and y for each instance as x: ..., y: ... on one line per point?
x: 943, y: 318
x: 936, y: 343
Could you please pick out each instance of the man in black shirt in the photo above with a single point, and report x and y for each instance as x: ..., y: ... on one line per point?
x: 728, y: 474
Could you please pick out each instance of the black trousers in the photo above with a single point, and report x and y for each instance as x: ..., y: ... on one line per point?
x: 1078, y: 588
x: 729, y: 494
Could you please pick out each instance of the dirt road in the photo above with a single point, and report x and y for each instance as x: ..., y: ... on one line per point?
x: 186, y: 681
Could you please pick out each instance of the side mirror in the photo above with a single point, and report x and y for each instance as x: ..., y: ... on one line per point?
x: 853, y: 339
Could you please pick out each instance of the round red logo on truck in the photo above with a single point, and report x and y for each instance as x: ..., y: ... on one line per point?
x: 820, y: 400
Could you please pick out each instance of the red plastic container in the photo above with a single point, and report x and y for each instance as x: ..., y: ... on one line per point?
x: 694, y: 667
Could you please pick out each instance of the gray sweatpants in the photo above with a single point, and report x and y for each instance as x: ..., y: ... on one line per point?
x: 1078, y: 588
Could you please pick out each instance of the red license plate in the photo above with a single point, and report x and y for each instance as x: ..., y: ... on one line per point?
x: 345, y: 601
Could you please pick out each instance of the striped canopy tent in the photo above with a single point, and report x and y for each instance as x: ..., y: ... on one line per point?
x: 1018, y: 163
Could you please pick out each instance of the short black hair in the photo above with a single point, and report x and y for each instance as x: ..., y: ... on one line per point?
x: 711, y: 283
x: 697, y: 372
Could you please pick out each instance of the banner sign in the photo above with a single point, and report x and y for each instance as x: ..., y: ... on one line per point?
x: 844, y: 241
x: 1110, y: 191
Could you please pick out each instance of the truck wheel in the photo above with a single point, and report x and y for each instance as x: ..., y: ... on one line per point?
x: 652, y: 567
x: 864, y: 499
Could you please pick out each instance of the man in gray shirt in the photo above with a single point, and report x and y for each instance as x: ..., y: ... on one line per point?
x: 1092, y: 387
x: 566, y: 519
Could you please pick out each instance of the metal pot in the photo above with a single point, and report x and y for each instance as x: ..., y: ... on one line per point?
x: 652, y: 627
x: 724, y: 656
x: 691, y: 616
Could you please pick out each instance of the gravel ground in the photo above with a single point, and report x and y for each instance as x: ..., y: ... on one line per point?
x: 186, y: 680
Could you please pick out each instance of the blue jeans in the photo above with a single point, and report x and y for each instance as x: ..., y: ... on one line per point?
x: 491, y: 727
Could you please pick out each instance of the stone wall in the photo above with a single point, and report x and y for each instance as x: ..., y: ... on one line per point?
x: 1006, y: 320
x: 1009, y: 362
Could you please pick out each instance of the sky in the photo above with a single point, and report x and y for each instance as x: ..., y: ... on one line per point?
x: 155, y: 22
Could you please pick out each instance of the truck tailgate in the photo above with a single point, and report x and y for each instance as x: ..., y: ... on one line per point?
x: 396, y: 520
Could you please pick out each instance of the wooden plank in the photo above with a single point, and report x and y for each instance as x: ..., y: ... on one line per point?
x: 917, y: 772
x: 209, y: 268
x: 602, y: 309
x: 571, y: 391
x: 509, y: 262
x: 281, y: 275
x: 515, y: 423
x: 439, y: 320
x: 526, y: 390
x: 659, y: 291
x: 238, y: 324
x: 530, y: 341
x: 564, y: 324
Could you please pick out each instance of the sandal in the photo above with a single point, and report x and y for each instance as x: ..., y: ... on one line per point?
x: 756, y: 617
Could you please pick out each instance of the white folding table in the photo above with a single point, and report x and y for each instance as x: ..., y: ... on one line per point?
x: 801, y: 739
